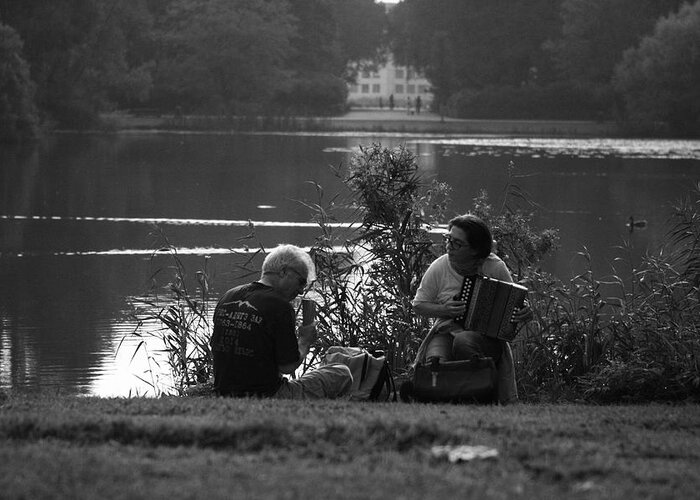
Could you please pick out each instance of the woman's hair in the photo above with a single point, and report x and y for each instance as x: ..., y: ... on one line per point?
x: 284, y: 256
x: 478, y: 233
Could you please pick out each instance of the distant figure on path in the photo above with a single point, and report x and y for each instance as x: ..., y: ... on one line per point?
x: 254, y: 342
x: 418, y: 104
x: 391, y: 102
x: 409, y: 111
x: 381, y: 103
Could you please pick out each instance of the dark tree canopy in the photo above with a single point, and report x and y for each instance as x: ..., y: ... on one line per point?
x: 87, y: 56
x: 539, y: 58
x: 486, y: 59
x: 18, y: 115
x: 473, y: 44
x: 660, y: 78
x: 595, y: 33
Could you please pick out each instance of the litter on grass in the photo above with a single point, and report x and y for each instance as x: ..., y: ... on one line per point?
x: 463, y: 453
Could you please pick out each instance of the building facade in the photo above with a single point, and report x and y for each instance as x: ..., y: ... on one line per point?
x: 403, y: 85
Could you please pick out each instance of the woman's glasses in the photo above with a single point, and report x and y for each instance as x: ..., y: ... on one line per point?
x: 453, y: 243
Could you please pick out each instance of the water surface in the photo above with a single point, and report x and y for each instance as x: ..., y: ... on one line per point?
x: 81, y: 217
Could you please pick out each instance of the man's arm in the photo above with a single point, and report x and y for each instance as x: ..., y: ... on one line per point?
x: 307, y: 336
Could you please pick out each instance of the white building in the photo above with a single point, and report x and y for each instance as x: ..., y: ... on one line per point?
x: 375, y: 89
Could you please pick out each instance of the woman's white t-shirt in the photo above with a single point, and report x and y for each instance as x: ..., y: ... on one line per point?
x: 441, y: 283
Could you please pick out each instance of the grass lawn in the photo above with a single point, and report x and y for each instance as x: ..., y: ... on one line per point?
x: 71, y: 447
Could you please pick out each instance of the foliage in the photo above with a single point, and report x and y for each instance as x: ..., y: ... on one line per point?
x: 182, y: 323
x: 220, y: 54
x: 223, y: 56
x: 660, y: 78
x: 18, y: 114
x: 655, y: 351
x: 520, y: 246
x: 80, y: 55
x: 566, y: 63
x: 554, y: 101
x: 595, y: 33
x: 312, y: 94
x: 331, y: 34
x: 633, y: 336
x: 471, y: 44
x: 365, y: 291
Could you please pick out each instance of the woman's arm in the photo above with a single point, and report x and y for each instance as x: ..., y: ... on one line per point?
x: 449, y: 310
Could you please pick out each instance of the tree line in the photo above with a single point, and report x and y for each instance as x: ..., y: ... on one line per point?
x: 64, y: 61
x: 634, y: 61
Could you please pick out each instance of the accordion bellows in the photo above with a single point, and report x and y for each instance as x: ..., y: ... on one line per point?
x: 490, y: 306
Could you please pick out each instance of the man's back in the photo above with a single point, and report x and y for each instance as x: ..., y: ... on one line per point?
x: 253, y: 335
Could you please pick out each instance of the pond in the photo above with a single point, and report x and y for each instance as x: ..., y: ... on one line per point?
x: 78, y: 221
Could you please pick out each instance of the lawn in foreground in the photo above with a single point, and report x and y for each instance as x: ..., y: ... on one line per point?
x: 69, y: 447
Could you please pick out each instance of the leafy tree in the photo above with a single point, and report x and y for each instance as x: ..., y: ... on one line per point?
x: 331, y: 35
x: 222, y: 54
x: 79, y: 55
x: 660, y: 79
x: 361, y: 29
x: 595, y: 33
x: 18, y: 114
x: 470, y: 44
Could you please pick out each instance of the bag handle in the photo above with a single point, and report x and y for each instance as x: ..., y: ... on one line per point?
x: 365, y: 362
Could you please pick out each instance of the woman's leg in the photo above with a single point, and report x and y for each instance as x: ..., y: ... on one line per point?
x: 440, y: 346
x: 468, y: 344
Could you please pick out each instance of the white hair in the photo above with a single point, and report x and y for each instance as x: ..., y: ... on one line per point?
x: 284, y: 256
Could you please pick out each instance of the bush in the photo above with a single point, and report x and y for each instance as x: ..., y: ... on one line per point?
x: 315, y: 94
x: 640, y: 343
x: 365, y: 291
x: 654, y: 354
x: 557, y: 101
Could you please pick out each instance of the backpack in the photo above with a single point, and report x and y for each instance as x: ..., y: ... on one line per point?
x: 469, y: 381
x: 371, y: 374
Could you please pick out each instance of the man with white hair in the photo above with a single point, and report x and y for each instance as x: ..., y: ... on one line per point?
x: 254, y: 339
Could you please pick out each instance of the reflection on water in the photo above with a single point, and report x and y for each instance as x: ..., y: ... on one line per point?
x: 82, y: 218
x: 662, y: 149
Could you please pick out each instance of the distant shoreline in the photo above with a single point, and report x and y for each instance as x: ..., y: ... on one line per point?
x: 364, y: 120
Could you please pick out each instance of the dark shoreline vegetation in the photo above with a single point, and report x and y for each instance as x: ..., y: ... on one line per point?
x: 170, y: 447
x: 628, y: 337
x: 358, y: 120
x: 65, y: 62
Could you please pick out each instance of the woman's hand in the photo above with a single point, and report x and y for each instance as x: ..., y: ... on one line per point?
x: 454, y: 308
x: 523, y: 315
x: 450, y: 309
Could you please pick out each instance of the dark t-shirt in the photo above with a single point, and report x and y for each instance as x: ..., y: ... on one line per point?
x: 253, y: 336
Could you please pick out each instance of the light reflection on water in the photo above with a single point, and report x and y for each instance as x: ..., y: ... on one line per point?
x: 138, y: 365
x: 663, y: 149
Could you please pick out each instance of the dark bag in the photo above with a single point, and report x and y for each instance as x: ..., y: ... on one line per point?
x: 469, y: 381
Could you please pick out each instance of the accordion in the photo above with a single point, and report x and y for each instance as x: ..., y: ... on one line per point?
x: 490, y: 306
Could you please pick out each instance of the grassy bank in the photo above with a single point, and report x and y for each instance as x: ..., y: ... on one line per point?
x: 363, y: 121
x: 222, y: 448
